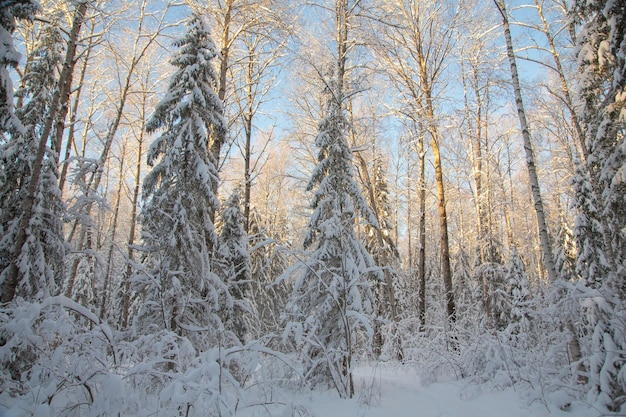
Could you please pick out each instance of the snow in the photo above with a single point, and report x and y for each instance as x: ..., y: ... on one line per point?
x: 392, y: 391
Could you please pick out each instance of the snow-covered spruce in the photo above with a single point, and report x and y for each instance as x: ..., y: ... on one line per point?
x: 40, y: 260
x: 234, y: 258
x: 600, y: 233
x: 182, y: 291
x: 329, y: 311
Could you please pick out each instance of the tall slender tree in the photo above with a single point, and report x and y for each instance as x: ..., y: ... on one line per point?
x: 92, y: 172
x: 182, y: 292
x: 415, y: 48
x: 542, y: 225
x: 332, y: 299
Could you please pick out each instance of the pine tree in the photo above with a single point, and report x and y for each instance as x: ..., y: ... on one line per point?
x: 183, y: 294
x: 332, y: 300
x: 233, y: 253
x: 40, y: 260
x: 601, y: 239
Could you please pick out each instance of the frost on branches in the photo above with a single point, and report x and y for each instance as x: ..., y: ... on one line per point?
x: 182, y: 292
x: 328, y: 313
x: 600, y: 195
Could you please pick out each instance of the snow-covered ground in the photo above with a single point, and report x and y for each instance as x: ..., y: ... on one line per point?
x: 396, y: 392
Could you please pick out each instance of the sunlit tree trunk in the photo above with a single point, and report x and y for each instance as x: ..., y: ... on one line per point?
x: 421, y: 259
x: 74, y: 113
x: 106, y: 286
x: 544, y: 237
x: 415, y: 56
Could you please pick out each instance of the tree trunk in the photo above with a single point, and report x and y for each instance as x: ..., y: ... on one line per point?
x: 85, y: 241
x: 446, y: 270
x: 248, y: 145
x: 421, y: 261
x: 133, y: 218
x: 116, y: 210
x: 380, y: 240
x: 218, y: 138
x: 544, y: 237
x: 73, y: 115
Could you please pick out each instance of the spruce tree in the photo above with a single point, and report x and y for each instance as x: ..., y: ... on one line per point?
x: 468, y: 292
x: 268, y: 261
x: 600, y: 234
x: 234, y: 255
x: 182, y: 292
x: 40, y: 259
x: 518, y: 295
x: 332, y: 301
x: 9, y: 58
x: 565, y: 253
x: 379, y: 242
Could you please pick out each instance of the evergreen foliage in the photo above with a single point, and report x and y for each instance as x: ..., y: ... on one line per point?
x: 468, y: 292
x: 233, y: 253
x: 209, y: 298
x: 268, y: 261
x: 519, y: 294
x: 331, y: 303
x: 183, y: 292
x: 565, y: 253
x: 41, y: 259
x: 9, y: 57
x: 601, y: 238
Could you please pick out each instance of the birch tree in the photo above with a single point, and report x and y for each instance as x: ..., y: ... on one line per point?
x: 415, y: 49
x: 542, y: 226
x: 92, y: 174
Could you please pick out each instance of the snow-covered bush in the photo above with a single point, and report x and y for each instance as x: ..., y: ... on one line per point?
x: 58, y: 359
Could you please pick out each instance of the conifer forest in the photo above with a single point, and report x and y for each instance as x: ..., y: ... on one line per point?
x: 221, y: 207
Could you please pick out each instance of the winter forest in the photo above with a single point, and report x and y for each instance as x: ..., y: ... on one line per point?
x: 219, y: 208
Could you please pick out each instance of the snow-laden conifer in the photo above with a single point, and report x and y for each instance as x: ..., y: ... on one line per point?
x: 331, y: 302
x: 519, y: 295
x: 268, y: 261
x: 182, y: 292
x: 565, y: 253
x: 600, y: 233
x: 9, y: 57
x: 234, y: 255
x: 40, y: 260
x: 468, y: 293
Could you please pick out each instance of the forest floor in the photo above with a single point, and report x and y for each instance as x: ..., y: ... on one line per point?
x: 391, y: 391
